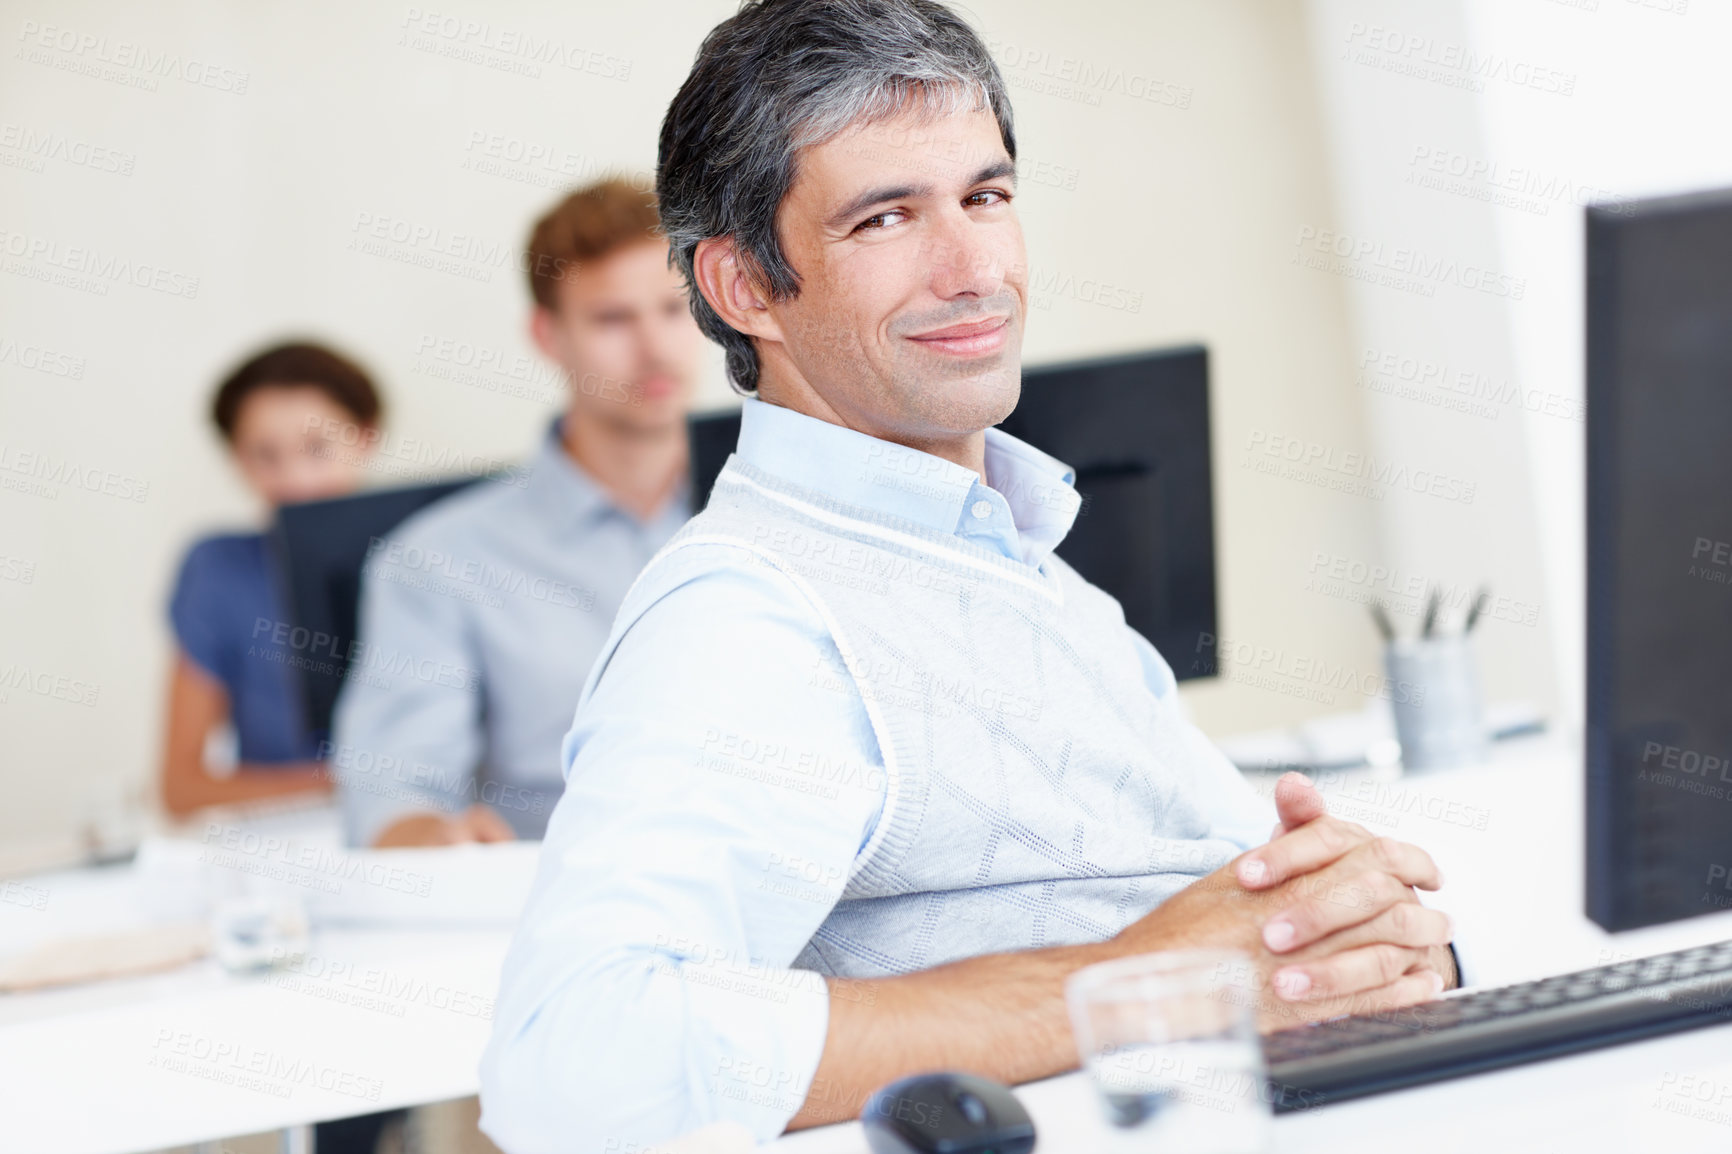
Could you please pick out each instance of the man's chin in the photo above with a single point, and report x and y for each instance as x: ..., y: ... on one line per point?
x: 653, y: 410
x: 975, y: 399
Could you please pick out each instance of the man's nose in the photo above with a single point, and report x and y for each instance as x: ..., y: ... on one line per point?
x: 963, y: 260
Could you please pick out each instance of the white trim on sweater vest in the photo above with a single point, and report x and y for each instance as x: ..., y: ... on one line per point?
x: 1048, y: 588
x: 851, y: 660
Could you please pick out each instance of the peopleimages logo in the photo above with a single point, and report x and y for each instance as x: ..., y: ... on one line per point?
x: 51, y: 471
x: 90, y: 269
x: 1510, y: 186
x: 40, y: 359
x: 1082, y: 80
x: 287, y: 860
x: 1300, y: 459
x: 381, y: 451
x: 1427, y: 58
x: 248, y: 1067
x: 106, y: 59
x: 391, y: 560
x: 1241, y: 660
x: 508, y: 49
x: 1351, y: 579
x: 39, y: 147
x: 1468, y: 391
x: 1318, y: 248
x: 327, y: 653
x: 43, y: 683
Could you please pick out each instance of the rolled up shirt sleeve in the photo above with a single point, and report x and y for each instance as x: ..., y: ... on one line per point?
x: 717, y: 795
x: 407, y: 731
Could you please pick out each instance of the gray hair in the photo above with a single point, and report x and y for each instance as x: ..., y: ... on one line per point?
x: 780, y: 76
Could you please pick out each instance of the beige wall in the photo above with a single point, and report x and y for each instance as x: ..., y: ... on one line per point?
x: 1651, y: 88
x: 1416, y: 338
x: 1474, y: 133
x: 1175, y: 164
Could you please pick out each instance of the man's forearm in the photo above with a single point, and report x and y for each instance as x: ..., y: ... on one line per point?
x: 1003, y: 1015
x: 999, y: 1015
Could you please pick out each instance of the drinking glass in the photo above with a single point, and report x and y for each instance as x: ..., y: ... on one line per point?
x: 1170, y: 1041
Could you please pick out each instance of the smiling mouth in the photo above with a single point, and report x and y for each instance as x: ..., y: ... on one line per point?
x: 970, y: 339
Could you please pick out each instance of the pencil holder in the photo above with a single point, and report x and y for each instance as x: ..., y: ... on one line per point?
x: 1434, y: 691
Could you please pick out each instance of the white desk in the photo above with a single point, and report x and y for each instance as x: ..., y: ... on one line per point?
x: 84, y: 1070
x: 1609, y: 1100
x: 369, y: 1021
x: 1516, y: 894
x: 196, y: 1055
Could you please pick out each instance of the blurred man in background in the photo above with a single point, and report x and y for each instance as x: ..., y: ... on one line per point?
x: 521, y: 584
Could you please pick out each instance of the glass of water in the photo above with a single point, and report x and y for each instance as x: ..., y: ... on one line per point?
x: 1170, y: 1041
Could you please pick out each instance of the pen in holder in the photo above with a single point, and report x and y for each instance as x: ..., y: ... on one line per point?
x: 1434, y: 692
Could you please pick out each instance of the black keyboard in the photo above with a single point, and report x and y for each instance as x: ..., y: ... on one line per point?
x: 1344, y: 1058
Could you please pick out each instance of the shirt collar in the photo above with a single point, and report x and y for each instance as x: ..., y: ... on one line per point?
x: 857, y: 469
x: 558, y: 488
x: 1039, y: 488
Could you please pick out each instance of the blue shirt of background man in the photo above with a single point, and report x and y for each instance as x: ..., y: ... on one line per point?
x: 225, y: 609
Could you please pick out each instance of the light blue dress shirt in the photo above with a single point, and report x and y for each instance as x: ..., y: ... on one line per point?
x: 508, y: 590
x: 646, y: 993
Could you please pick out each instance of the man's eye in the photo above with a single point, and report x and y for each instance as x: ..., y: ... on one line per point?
x: 876, y: 222
x: 975, y: 197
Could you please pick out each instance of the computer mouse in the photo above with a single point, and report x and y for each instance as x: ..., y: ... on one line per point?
x: 947, y: 1114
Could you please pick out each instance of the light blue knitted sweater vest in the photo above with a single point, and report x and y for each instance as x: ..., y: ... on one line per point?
x: 1037, y: 793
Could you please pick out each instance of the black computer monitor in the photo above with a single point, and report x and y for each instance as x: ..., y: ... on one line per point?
x: 320, y: 547
x: 1136, y: 429
x: 1659, y: 559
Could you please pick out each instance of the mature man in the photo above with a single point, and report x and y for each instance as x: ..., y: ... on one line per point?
x: 864, y: 770
x: 518, y: 584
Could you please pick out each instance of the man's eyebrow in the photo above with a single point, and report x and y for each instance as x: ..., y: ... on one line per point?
x: 872, y: 196
x: 1006, y: 167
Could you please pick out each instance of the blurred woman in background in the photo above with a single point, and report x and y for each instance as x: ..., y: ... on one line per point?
x: 300, y: 422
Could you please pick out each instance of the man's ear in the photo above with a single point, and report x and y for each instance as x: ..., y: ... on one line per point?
x: 542, y: 323
x: 732, y: 288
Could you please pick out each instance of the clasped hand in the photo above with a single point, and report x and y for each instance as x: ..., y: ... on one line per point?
x: 1327, y: 911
